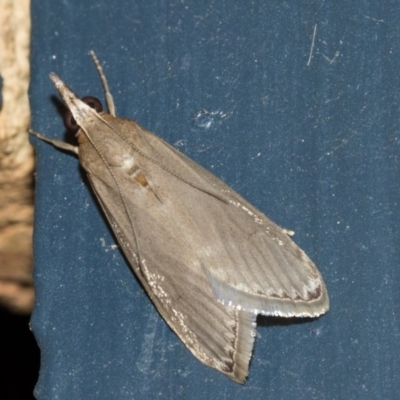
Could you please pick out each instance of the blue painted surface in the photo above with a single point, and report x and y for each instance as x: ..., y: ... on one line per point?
x: 314, y: 145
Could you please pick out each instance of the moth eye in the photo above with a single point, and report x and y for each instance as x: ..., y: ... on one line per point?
x: 69, y: 122
x: 93, y: 103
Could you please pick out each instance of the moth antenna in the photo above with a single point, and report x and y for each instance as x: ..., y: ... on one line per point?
x: 107, y: 93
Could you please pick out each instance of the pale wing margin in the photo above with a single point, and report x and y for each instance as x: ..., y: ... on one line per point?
x: 250, y: 262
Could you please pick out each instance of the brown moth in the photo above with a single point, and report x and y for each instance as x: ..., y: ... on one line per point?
x: 209, y: 261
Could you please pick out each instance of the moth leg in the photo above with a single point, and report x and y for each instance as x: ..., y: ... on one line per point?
x: 56, y: 143
x: 107, y: 93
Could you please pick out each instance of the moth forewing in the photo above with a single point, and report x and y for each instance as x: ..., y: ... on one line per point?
x: 209, y: 260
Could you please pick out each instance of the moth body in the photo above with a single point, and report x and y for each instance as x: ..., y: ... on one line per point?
x: 209, y: 260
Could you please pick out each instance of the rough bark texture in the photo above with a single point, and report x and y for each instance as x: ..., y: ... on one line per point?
x: 16, y: 159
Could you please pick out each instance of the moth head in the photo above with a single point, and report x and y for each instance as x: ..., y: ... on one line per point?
x: 69, y: 120
x: 78, y: 110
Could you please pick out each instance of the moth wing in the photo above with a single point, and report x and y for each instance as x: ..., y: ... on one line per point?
x: 208, y: 259
x: 250, y: 262
x: 166, y: 265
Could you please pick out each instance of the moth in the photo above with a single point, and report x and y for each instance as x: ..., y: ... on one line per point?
x: 209, y: 261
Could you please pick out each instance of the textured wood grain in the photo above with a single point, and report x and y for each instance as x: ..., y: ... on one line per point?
x: 16, y: 159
